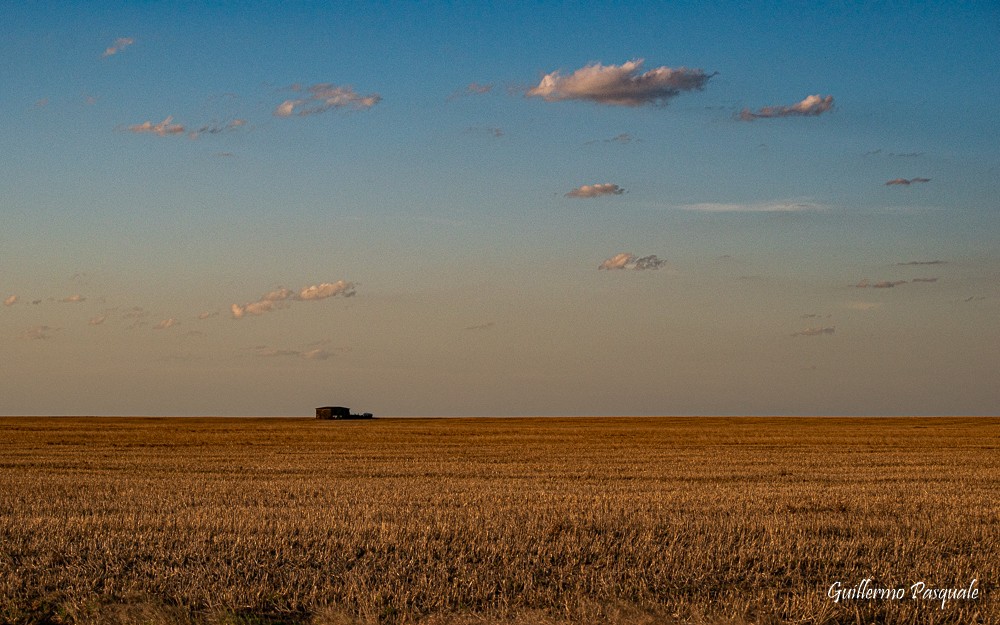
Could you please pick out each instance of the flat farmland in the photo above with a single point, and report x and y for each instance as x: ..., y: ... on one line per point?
x: 481, y: 521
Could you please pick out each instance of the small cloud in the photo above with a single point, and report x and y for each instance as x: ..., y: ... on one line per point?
x: 620, y: 85
x: 905, y: 182
x: 815, y: 331
x: 262, y: 351
x: 208, y: 315
x: 626, y: 261
x: 482, y: 326
x: 98, y: 320
x: 888, y: 284
x: 136, y: 315
x: 73, y: 299
x: 924, y: 280
x: 38, y: 333
x: 41, y: 103
x: 923, y: 262
x: 327, y: 289
x: 161, y: 129
x: 862, y: 306
x: 36, y: 302
x: 120, y: 44
x: 493, y: 131
x: 10, y: 301
x: 277, y: 299
x: 89, y: 100
x: 316, y: 354
x: 595, y: 190
x: 323, y: 97
x: 810, y: 107
x: 166, y: 323
x: 216, y: 129
x: 790, y: 206
x: 884, y: 284
x: 473, y: 88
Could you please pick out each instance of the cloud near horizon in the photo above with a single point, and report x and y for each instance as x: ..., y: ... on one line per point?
x: 216, y: 129
x: 905, y: 182
x: 810, y: 107
x: 323, y: 97
x: 277, y: 299
x: 758, y: 207
x: 595, y: 190
x: 815, y: 331
x: 884, y: 284
x: 35, y: 333
x: 120, y: 44
x: 626, y: 261
x: 162, y: 129
x: 620, y: 85
x: 10, y: 301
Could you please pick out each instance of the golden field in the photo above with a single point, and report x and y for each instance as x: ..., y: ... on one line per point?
x: 476, y: 521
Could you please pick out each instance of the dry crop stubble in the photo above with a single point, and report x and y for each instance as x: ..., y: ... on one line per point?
x: 493, y: 520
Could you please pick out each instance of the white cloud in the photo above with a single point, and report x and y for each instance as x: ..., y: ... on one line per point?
x: 161, y: 129
x: 327, y: 289
x: 810, y: 107
x: 595, y: 190
x: 10, y: 301
x: 631, y: 262
x: 278, y: 298
x: 120, y: 44
x: 620, y: 85
x: 323, y: 97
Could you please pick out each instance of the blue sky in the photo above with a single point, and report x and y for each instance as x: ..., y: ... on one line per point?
x: 254, y: 209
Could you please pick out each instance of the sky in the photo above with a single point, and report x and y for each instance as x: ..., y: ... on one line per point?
x: 491, y: 209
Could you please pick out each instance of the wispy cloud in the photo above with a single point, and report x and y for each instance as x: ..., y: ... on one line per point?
x: 10, y: 301
x: 620, y: 85
x: 120, y: 44
x: 278, y: 298
x: 815, y: 331
x: 208, y: 315
x: 862, y: 306
x: 73, y: 299
x: 789, y: 206
x: 626, y: 261
x: 623, y: 138
x: 492, y: 131
x: 884, y: 284
x: 482, y: 326
x: 810, y: 107
x: 924, y: 280
x: 217, y: 128
x: 322, y: 97
x: 38, y: 333
x: 923, y: 262
x: 308, y: 354
x: 595, y: 190
x: 166, y: 323
x: 905, y: 182
x: 473, y: 88
x: 161, y: 129
x: 98, y: 320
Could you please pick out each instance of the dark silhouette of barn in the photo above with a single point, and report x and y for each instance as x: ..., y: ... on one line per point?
x: 339, y: 412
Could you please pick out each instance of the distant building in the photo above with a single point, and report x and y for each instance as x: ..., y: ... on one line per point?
x: 339, y: 412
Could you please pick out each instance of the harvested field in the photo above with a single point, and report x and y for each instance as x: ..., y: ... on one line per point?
x: 618, y: 520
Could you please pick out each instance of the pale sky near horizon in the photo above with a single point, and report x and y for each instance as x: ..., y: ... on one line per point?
x: 500, y: 209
